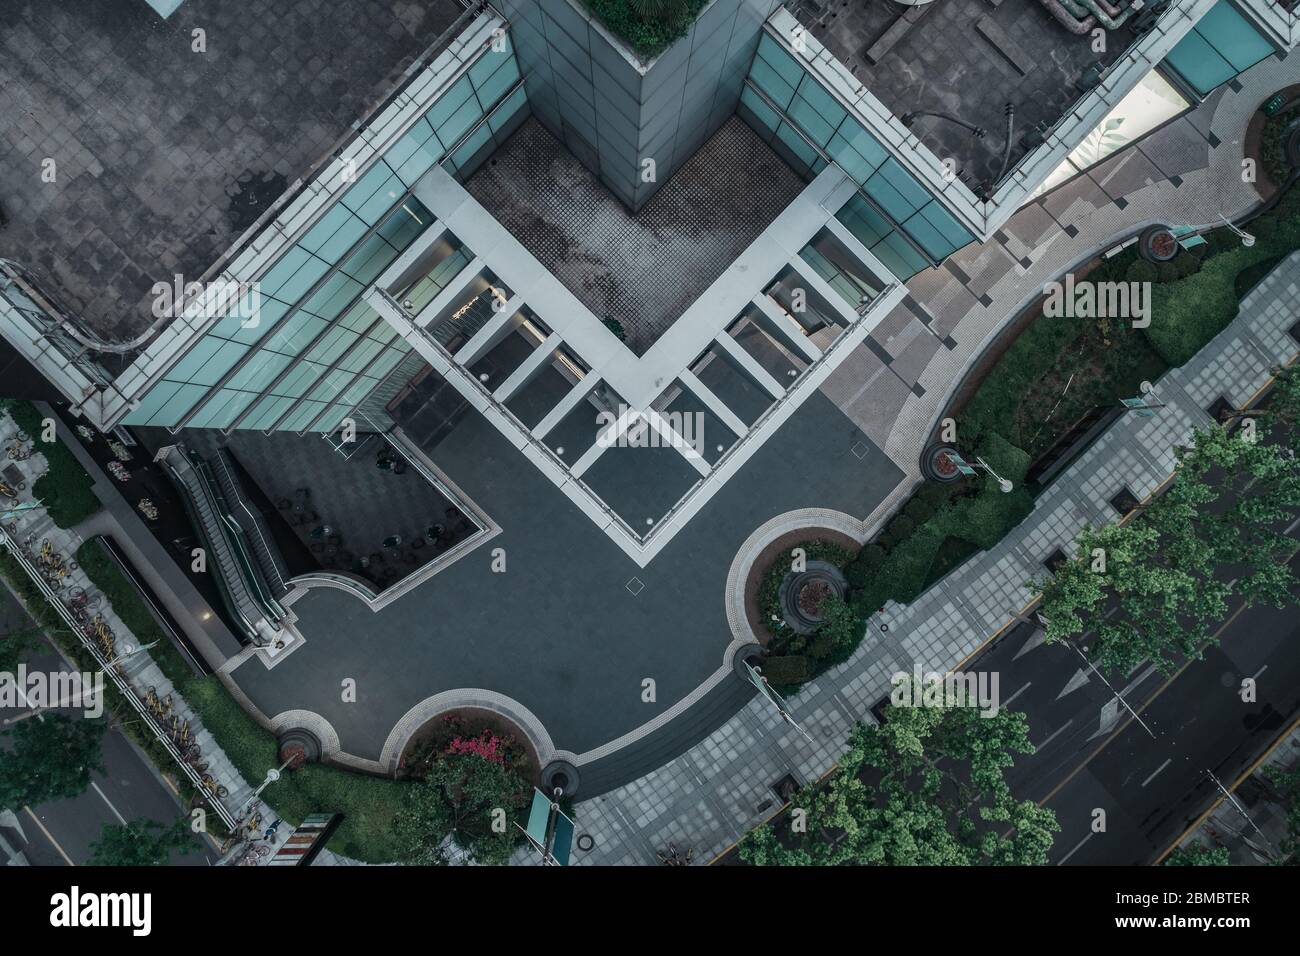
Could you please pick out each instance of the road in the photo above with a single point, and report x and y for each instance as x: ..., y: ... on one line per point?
x: 61, y: 832
x: 1154, y: 770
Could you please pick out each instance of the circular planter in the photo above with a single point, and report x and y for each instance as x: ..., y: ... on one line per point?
x: 298, y: 746
x: 1158, y: 244
x: 937, y: 465
x: 803, y: 592
x: 561, y: 774
x: 1291, y: 145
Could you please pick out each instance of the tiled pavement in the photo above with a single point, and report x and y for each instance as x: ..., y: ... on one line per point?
x: 1186, y: 172
x: 642, y: 269
x: 164, y: 155
x: 710, y: 796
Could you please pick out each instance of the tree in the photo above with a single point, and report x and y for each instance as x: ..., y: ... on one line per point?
x: 14, y: 646
x: 842, y: 625
x: 927, y: 787
x: 139, y: 843
x: 51, y: 759
x: 1197, y: 855
x: 464, y: 801
x: 1162, y: 576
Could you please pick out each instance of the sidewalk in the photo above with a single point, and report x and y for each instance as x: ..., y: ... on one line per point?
x: 138, y: 669
x: 712, y: 795
x: 1186, y: 172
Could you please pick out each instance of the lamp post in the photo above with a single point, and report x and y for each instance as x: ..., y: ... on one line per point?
x: 1247, y: 240
x: 967, y: 468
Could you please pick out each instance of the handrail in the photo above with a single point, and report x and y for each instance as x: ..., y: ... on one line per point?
x: 234, y: 537
x: 254, y: 518
x: 192, y: 511
x: 110, y: 668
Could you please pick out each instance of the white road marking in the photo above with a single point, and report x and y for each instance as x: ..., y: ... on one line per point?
x: 119, y: 816
x: 1062, y: 860
x: 1054, y: 734
x: 1007, y: 702
x: 1168, y: 760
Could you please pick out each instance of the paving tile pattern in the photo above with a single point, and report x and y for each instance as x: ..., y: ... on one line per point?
x: 642, y: 269
x: 165, y: 155
x: 953, y: 618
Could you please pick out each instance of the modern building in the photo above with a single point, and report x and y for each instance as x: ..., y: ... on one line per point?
x: 378, y: 294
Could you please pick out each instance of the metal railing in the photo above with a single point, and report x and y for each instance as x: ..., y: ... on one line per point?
x: 109, y: 667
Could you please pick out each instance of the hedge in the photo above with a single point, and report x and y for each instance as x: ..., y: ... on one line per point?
x: 786, y: 671
x: 647, y: 37
x: 65, y: 489
x: 1187, y: 314
x: 130, y: 607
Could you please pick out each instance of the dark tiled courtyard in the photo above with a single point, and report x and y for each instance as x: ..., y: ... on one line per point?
x: 360, y: 504
x: 642, y: 269
x: 947, y: 61
x: 164, y: 156
x: 561, y: 631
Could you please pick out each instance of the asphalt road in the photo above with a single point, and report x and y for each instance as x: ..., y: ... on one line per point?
x: 60, y: 833
x: 1152, y: 770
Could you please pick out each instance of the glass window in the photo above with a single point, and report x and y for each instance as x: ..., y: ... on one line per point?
x: 1221, y: 45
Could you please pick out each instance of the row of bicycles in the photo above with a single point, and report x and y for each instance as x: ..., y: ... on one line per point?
x: 249, y: 842
x: 83, y: 608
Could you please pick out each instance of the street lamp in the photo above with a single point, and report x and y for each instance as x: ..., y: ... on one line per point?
x: 1004, y: 485
x: 1247, y: 240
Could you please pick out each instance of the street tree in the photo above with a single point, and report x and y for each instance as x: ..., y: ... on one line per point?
x: 1155, y: 587
x: 927, y: 787
x: 141, y: 842
x: 51, y: 759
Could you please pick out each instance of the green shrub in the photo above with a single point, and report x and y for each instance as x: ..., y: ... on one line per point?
x: 919, y: 511
x: 908, y: 565
x: 1168, y: 271
x: 842, y: 625
x: 1141, y: 271
x: 648, y: 35
x: 900, y: 528
x: 131, y: 608
x: 985, y: 519
x: 823, y: 645
x: 863, y: 568
x: 65, y: 489
x: 1262, y: 227
x: 786, y: 671
x: 936, y: 494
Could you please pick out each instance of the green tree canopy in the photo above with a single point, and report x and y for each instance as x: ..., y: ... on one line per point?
x: 457, y: 799
x: 1166, y: 572
x: 927, y: 787
x: 140, y: 843
x: 50, y: 759
x: 1197, y: 855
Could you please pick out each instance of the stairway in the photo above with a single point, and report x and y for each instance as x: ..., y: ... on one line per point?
x: 246, y: 596
x: 250, y: 520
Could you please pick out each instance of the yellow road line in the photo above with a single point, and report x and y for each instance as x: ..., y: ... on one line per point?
x: 49, y: 836
x: 1235, y: 784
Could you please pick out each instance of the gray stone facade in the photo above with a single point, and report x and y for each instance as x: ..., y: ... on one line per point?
x: 613, y: 110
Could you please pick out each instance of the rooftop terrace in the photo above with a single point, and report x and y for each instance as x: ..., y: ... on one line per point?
x: 966, y: 58
x: 641, y: 269
x: 165, y: 155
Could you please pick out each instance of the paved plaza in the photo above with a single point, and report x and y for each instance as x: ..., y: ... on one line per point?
x: 573, y: 627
